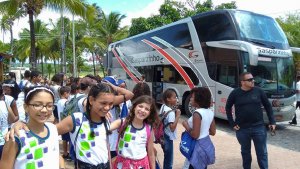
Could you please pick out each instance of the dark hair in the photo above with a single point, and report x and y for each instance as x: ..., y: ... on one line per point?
x: 27, y: 74
x: 15, y: 90
x: 34, y: 73
x: 64, y: 89
x: 202, y: 96
x: 167, y: 94
x: 12, y: 75
x: 152, y: 119
x: 140, y: 89
x: 74, y: 88
x: 94, y: 92
x: 32, y: 91
x: 242, y: 75
x: 58, y: 78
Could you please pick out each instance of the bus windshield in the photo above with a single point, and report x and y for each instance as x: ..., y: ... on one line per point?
x: 274, y: 75
x: 260, y: 30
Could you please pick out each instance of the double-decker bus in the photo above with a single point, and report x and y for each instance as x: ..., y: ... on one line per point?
x: 210, y: 49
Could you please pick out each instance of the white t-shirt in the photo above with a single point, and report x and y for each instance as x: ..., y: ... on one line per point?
x: 80, y: 102
x: 91, y: 150
x: 298, y: 89
x: 133, y: 144
x: 37, y: 152
x: 113, y: 137
x: 20, y: 107
x: 3, y: 121
x: 207, y: 117
x: 60, y: 107
x: 169, y: 119
x: 56, y: 93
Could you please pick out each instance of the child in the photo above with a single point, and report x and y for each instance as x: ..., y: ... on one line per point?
x: 88, y: 131
x: 39, y: 147
x: 135, y: 145
x: 200, y: 126
x: 170, y: 123
x: 64, y: 93
x: 6, y: 116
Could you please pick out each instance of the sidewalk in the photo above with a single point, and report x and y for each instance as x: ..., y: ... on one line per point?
x: 228, y: 154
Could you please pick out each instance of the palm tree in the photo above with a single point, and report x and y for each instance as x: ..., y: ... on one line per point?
x: 41, y: 36
x: 34, y: 7
x: 110, y: 28
x: 4, y: 25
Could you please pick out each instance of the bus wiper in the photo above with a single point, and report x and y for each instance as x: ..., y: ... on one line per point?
x: 258, y: 43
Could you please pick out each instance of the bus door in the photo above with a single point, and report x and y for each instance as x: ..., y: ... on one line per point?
x: 226, y: 80
x: 157, y: 84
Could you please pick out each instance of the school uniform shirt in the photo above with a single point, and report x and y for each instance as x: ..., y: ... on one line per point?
x: 3, y: 121
x: 133, y: 144
x: 37, y: 152
x: 60, y: 107
x: 207, y: 117
x: 169, y: 119
x: 88, y: 149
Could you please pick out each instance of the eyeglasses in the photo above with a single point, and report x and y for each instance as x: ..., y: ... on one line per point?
x: 49, y: 107
x: 249, y: 80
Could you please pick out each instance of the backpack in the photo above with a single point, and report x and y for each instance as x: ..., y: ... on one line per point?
x: 159, y: 130
x: 71, y: 106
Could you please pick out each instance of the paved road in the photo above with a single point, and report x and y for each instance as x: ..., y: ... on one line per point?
x: 283, y: 149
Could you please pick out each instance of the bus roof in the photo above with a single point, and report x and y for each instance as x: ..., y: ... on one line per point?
x: 185, y: 20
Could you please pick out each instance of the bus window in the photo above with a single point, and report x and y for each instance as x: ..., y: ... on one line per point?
x: 227, y: 75
x: 147, y: 71
x: 171, y: 75
x: 222, y: 65
x: 214, y: 28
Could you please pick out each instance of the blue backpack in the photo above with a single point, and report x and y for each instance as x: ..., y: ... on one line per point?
x: 71, y: 106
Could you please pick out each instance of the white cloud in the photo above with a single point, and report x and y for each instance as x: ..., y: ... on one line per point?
x: 151, y: 9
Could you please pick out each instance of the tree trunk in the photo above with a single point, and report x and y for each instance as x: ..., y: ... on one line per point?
x: 11, y: 43
x: 32, y: 58
x: 54, y: 63
x: 93, y: 55
x: 42, y: 64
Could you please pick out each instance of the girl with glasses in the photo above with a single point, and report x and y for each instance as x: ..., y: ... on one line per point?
x: 39, y: 147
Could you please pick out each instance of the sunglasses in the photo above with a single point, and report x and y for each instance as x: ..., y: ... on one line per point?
x: 249, y: 80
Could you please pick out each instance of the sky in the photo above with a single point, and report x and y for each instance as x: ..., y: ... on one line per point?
x: 146, y: 8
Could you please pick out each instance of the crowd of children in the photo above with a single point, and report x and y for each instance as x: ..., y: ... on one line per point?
x: 96, y: 135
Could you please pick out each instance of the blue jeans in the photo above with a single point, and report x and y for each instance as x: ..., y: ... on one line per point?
x: 168, y: 152
x: 259, y: 136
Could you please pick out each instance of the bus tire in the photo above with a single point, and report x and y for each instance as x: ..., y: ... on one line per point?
x: 187, y: 106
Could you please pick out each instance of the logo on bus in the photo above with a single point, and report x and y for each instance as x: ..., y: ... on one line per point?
x: 145, y: 59
x: 272, y: 52
x: 193, y: 54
